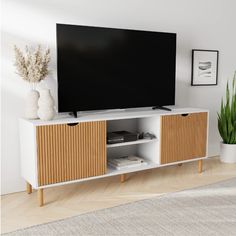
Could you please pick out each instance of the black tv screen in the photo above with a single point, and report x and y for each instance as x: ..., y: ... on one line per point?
x: 105, y: 68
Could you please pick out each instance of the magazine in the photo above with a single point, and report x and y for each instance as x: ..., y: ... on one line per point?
x: 128, y: 166
x: 126, y: 161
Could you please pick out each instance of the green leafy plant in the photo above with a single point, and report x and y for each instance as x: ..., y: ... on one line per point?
x: 227, y: 115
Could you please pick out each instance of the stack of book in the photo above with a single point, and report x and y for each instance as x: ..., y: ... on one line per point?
x: 125, y: 162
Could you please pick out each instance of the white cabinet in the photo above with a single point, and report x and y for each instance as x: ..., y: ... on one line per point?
x: 68, y: 150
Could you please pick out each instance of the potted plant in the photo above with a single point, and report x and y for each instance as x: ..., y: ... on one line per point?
x: 32, y: 66
x: 227, y: 124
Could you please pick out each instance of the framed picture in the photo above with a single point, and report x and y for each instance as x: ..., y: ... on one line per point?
x: 204, y: 67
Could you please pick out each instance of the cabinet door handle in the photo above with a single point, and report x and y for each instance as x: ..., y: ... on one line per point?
x: 186, y: 114
x: 73, y: 124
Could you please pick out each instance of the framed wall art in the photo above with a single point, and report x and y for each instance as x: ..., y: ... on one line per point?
x: 204, y: 67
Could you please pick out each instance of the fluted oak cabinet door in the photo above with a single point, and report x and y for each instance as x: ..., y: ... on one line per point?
x: 183, y: 137
x: 70, y: 152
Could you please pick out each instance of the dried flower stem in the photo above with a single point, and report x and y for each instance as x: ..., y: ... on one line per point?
x: 33, y: 66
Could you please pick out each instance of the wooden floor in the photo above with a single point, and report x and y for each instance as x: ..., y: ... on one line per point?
x: 20, y: 210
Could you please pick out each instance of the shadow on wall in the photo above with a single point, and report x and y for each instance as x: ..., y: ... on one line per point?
x: 7, y: 56
x: 181, y: 90
x: 12, y: 107
x: 13, y: 93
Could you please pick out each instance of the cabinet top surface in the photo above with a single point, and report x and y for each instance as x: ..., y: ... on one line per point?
x: 65, y: 118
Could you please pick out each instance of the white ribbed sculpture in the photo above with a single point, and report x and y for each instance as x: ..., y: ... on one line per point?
x: 46, y: 109
x: 31, y: 108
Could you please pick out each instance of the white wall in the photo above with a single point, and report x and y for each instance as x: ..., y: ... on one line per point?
x: 203, y: 24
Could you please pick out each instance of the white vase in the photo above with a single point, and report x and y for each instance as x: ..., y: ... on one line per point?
x: 228, y: 153
x: 31, y: 106
x: 46, y: 109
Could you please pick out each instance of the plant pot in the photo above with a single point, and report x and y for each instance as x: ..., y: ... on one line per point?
x: 228, y: 153
x: 31, y: 107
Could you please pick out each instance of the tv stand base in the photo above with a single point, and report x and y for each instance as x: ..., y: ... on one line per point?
x: 73, y: 113
x: 161, y: 108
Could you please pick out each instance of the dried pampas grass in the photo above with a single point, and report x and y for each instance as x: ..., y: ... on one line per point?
x: 33, y: 65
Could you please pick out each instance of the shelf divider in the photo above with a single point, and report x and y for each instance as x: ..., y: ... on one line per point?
x: 139, y: 141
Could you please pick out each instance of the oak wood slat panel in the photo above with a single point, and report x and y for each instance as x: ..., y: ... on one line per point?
x: 183, y: 137
x: 71, y: 152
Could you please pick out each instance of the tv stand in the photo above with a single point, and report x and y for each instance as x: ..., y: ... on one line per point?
x: 70, y: 150
x: 73, y: 113
x: 161, y: 108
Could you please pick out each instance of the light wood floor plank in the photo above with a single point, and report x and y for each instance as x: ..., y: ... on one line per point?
x: 21, y: 210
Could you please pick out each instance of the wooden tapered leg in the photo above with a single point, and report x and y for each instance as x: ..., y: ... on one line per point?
x: 122, y: 178
x: 200, y: 166
x: 40, y: 197
x: 28, y: 188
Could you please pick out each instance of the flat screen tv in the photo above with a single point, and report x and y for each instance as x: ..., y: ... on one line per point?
x: 107, y: 68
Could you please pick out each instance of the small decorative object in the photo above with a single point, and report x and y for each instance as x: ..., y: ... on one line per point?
x: 46, y: 109
x: 227, y: 124
x: 32, y: 67
x: 204, y: 67
x: 31, y: 109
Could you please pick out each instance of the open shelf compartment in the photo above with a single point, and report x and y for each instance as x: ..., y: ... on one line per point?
x: 148, y: 149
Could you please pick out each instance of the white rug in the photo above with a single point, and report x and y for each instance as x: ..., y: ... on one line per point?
x: 209, y: 210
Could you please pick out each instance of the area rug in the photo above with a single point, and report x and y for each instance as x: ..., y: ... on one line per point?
x: 208, y: 210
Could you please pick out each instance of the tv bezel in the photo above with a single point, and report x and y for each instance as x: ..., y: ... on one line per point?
x: 154, y: 106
